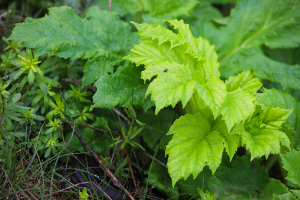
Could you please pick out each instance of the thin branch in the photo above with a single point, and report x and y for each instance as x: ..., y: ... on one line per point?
x: 109, y: 5
x: 132, y: 175
x: 17, y: 101
x: 148, y: 155
x: 10, y: 183
x: 31, y: 195
x: 73, y: 80
x: 102, y: 130
x: 121, y: 115
x: 67, y: 188
x: 110, y: 174
x: 62, y: 134
x: 102, y: 191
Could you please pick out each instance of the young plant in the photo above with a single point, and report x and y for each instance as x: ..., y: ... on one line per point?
x: 225, y: 115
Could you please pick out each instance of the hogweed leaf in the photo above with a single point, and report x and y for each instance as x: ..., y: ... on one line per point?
x: 101, y: 35
x: 261, y: 135
x: 291, y: 163
x: 238, y: 106
x: 192, y: 147
x: 273, y: 118
x: 254, y: 23
x: 123, y: 87
x: 182, y: 65
x: 246, y: 81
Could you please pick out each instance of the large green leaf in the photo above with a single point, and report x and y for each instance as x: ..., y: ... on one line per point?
x: 277, y: 98
x: 123, y: 87
x: 254, y: 23
x: 262, y: 134
x: 182, y: 65
x: 238, y: 106
x: 165, y: 10
x: 245, y: 81
x: 63, y: 33
x: 192, y: 147
x: 291, y: 163
x: 244, y: 181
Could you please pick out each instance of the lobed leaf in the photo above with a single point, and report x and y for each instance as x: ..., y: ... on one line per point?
x: 182, y: 65
x: 243, y: 180
x: 291, y: 163
x: 246, y: 81
x: 238, y: 106
x: 277, y: 98
x: 254, y: 23
x: 192, y: 147
x: 123, y: 87
x: 262, y: 134
x: 100, y: 35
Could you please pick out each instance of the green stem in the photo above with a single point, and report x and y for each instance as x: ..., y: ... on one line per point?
x: 283, y: 171
x: 271, y: 161
x: 3, y: 110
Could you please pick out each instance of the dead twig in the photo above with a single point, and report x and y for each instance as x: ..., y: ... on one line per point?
x: 121, y: 115
x: 101, y: 164
x: 66, y: 188
x: 148, y: 155
x: 102, y: 191
x: 109, y: 5
x: 31, y: 195
x: 73, y: 80
x: 132, y: 175
x: 10, y: 183
x: 92, y: 127
x: 62, y: 134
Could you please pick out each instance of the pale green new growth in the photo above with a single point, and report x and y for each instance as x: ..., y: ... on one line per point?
x: 183, y: 65
x: 261, y: 134
x: 245, y: 81
x: 237, y: 107
x: 193, y: 146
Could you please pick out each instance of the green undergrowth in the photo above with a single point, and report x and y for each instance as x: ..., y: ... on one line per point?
x: 184, y: 100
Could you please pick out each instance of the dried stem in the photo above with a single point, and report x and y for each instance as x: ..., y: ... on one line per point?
x: 102, y: 191
x: 62, y: 134
x: 31, y: 195
x: 73, y: 80
x: 148, y: 155
x: 110, y: 174
x: 132, y: 175
x: 102, y: 130
x: 10, y: 182
x: 121, y: 115
x: 67, y: 188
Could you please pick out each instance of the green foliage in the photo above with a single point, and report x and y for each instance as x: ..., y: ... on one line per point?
x: 158, y: 178
x: 291, y: 164
x: 193, y: 146
x: 153, y: 12
x: 251, y: 25
x: 244, y: 182
x: 216, y: 78
x: 84, y: 195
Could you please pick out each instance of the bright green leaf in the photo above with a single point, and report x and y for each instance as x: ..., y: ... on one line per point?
x: 245, y: 81
x: 192, y: 147
x: 238, y: 106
